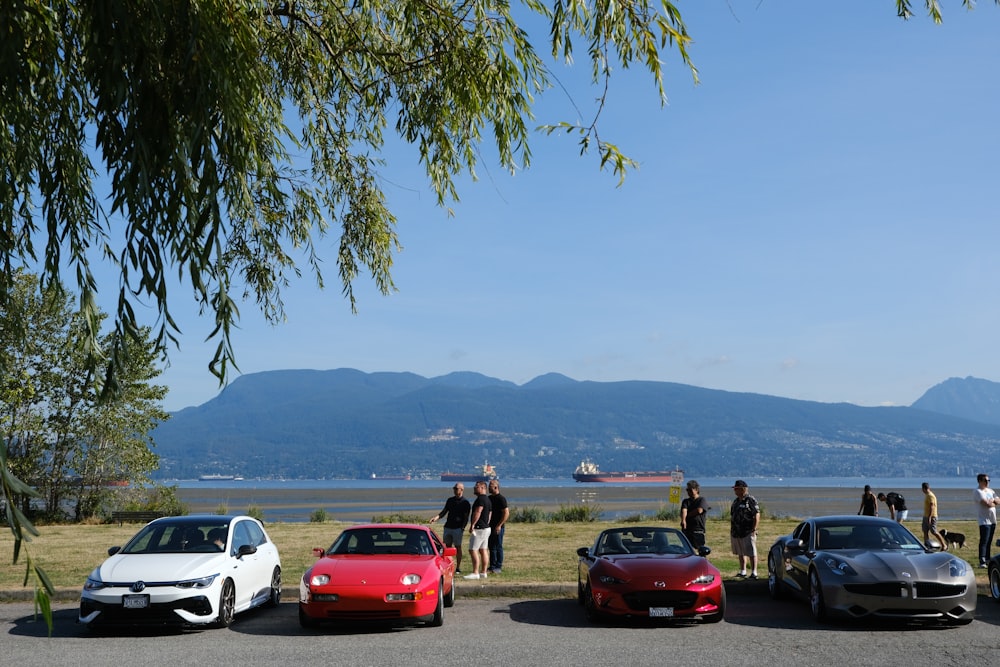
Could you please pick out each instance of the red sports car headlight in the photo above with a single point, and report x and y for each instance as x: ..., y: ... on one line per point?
x: 702, y: 580
x: 608, y: 579
x: 319, y: 580
x: 410, y: 579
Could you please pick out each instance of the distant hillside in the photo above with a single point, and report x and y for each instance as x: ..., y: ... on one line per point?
x: 969, y: 398
x: 349, y: 424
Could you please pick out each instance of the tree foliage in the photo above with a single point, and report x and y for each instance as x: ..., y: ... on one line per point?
x: 58, y: 434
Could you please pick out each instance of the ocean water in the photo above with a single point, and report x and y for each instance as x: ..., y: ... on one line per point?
x: 361, y: 500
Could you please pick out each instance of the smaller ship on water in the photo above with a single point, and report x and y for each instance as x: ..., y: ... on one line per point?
x: 483, y: 473
x: 220, y: 478
x: 588, y: 471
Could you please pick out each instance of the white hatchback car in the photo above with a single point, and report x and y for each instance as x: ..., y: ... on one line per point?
x: 185, y: 570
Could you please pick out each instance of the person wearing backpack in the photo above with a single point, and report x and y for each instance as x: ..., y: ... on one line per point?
x: 897, y: 505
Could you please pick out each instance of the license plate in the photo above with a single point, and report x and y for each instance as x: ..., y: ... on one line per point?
x: 135, y: 601
x: 661, y: 612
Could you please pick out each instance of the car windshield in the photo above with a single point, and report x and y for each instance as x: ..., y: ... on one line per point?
x: 642, y: 541
x: 205, y: 536
x: 369, y: 541
x: 856, y: 535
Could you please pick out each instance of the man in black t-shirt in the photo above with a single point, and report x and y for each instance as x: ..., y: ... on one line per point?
x: 897, y: 505
x: 498, y: 519
x: 479, y: 532
x: 458, y: 509
x: 694, y: 511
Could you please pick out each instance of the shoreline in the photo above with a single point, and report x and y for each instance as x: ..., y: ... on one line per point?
x: 361, y: 504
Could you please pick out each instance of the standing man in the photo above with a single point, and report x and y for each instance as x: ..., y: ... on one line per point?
x: 986, y: 513
x: 744, y: 516
x: 929, y: 522
x: 897, y: 505
x: 457, y: 508
x: 479, y: 533
x: 694, y: 511
x: 498, y: 519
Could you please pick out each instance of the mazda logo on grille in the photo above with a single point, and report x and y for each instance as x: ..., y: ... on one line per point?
x: 138, y: 586
x: 660, y: 584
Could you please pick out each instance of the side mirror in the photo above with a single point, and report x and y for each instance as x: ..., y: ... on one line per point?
x: 795, y: 545
x: 246, y: 550
x: 319, y: 553
x: 113, y: 550
x: 450, y: 552
x: 583, y: 552
x: 704, y: 551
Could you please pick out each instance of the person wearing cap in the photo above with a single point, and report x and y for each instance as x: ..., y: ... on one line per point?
x: 458, y: 510
x: 744, y: 517
x: 694, y: 510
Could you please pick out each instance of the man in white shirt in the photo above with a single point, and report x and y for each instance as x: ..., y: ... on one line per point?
x: 986, y: 510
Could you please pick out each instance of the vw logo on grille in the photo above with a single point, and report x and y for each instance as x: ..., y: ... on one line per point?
x: 660, y: 584
x: 138, y: 586
x: 907, y: 574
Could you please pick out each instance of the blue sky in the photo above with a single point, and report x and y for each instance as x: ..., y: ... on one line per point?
x: 817, y: 219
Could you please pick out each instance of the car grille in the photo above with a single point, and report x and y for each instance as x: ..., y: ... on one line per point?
x: 379, y: 615
x: 643, y: 600
x: 895, y: 589
x: 155, y: 614
x: 926, y: 589
x: 886, y: 589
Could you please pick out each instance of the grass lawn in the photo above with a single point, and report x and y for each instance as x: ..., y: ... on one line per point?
x: 535, y: 553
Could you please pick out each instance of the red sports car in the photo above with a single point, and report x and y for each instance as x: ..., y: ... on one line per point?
x: 396, y: 573
x: 649, y: 573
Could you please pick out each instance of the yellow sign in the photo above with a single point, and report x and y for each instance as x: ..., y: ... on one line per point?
x: 675, y: 494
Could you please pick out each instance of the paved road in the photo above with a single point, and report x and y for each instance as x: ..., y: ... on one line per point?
x: 513, y: 632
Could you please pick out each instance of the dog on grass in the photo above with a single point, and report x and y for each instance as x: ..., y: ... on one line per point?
x: 957, y: 539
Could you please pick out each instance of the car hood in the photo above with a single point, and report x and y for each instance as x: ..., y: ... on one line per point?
x: 892, y: 564
x: 127, y: 568
x: 648, y: 565
x: 371, y: 570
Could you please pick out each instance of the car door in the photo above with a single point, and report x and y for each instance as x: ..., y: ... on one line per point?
x: 252, y: 571
x: 798, y: 554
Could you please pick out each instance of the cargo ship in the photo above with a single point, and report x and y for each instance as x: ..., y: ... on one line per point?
x: 483, y: 473
x: 220, y: 478
x: 588, y: 471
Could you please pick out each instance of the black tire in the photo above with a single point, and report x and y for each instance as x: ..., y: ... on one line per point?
x: 227, y: 604
x: 774, y: 586
x: 306, y: 621
x: 580, y: 597
x: 816, y: 602
x: 449, y: 598
x: 719, y: 615
x: 593, y: 615
x: 994, y: 578
x: 275, y: 598
x: 438, y: 619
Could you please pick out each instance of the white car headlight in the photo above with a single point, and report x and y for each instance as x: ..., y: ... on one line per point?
x: 202, y: 582
x: 410, y: 579
x: 94, y: 582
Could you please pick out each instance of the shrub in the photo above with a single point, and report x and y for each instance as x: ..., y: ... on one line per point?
x: 223, y: 508
x: 576, y: 513
x: 397, y: 517
x: 319, y: 516
x: 526, y: 515
x: 256, y: 512
x: 667, y: 513
x: 157, y: 498
x: 633, y: 518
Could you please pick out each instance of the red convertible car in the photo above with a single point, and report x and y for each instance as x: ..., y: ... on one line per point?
x: 651, y: 573
x: 394, y: 573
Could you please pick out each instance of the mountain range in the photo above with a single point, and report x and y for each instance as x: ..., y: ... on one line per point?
x: 346, y: 423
